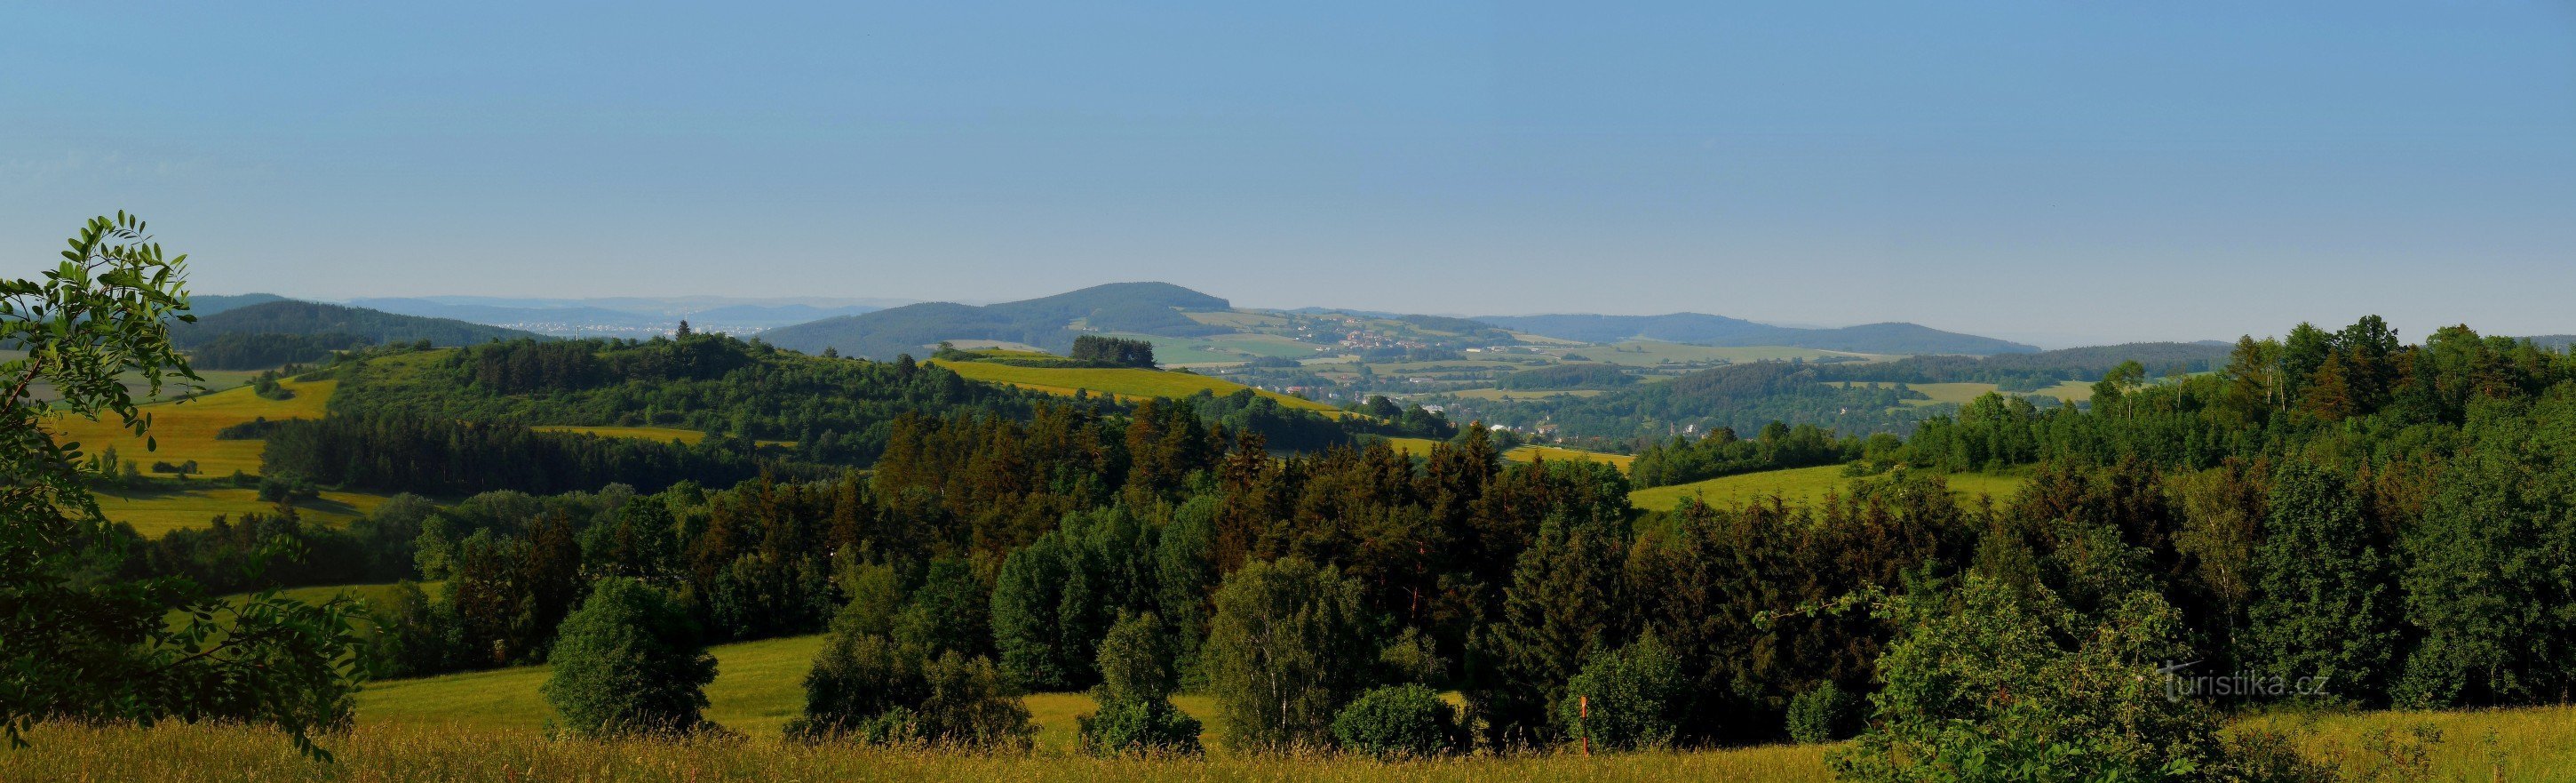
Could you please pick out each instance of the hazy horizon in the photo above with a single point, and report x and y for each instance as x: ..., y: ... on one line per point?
x: 2057, y: 174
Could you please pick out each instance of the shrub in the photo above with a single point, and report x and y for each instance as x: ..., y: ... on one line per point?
x: 629, y: 661
x: 1397, y: 721
x: 2001, y: 683
x: 970, y: 704
x: 857, y: 678
x: 1822, y: 714
x: 1136, y: 681
x: 1625, y: 699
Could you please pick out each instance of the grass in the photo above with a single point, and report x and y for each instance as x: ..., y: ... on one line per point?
x: 2532, y: 745
x: 156, y: 511
x: 1534, y: 453
x: 1962, y: 393
x: 186, y: 429
x: 1121, y: 381
x: 371, y: 753
x: 1798, y: 485
x: 759, y: 686
x: 1412, y: 447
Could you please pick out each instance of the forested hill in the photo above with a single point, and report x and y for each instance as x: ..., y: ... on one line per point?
x: 1705, y: 329
x: 832, y: 410
x: 2035, y: 371
x: 289, y: 316
x: 1743, y: 397
x: 1148, y: 308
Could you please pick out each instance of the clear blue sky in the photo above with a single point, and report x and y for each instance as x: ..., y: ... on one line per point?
x: 2067, y: 171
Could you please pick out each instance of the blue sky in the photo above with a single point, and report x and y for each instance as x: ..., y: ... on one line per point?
x: 2062, y: 172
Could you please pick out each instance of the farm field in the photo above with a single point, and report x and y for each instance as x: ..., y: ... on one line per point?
x: 1122, y: 381
x: 186, y: 428
x: 210, y: 381
x: 1801, y: 484
x: 155, y: 511
x: 1534, y: 453
x: 1412, y: 447
x: 1961, y: 393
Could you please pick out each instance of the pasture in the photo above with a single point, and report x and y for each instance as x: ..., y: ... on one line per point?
x: 155, y: 511
x: 1536, y: 453
x: 185, y: 429
x: 1121, y: 381
x: 1807, y: 485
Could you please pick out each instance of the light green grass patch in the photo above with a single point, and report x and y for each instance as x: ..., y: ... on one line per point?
x: 1535, y: 453
x: 155, y: 511
x: 1804, y: 485
x: 1121, y: 381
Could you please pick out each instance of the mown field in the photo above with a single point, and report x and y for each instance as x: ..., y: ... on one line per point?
x: 155, y: 511
x: 185, y: 430
x: 1962, y: 393
x: 1802, y: 485
x: 1121, y: 381
x: 1535, y: 453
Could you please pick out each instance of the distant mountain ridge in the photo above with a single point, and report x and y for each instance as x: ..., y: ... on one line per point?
x: 1705, y: 329
x: 626, y: 317
x: 297, y: 317
x: 1043, y: 322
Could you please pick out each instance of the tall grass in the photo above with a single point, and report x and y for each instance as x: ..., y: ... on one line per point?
x: 2536, y: 745
x: 440, y: 754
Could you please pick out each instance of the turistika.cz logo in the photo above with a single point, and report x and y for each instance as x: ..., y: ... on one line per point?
x: 2180, y: 685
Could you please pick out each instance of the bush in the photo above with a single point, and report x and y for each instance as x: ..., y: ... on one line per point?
x: 1998, y: 683
x: 858, y: 678
x: 1136, y: 681
x: 1823, y: 714
x: 1625, y: 699
x: 1397, y: 721
x: 629, y: 661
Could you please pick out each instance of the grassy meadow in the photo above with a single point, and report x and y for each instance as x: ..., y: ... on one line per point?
x: 1121, y: 381
x: 1807, y: 485
x: 186, y: 429
x: 154, y: 511
x: 1536, y: 453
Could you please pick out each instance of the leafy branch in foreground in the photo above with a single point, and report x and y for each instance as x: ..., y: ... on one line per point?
x: 76, y: 641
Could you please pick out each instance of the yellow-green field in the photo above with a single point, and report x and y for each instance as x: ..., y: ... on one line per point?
x: 1121, y: 381
x: 1412, y: 447
x: 186, y: 429
x: 759, y: 687
x: 2535, y: 745
x: 665, y: 434
x: 1521, y: 394
x: 1535, y: 453
x: 1802, y: 485
x: 155, y: 511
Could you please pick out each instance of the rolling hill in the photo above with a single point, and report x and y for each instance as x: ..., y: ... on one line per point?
x: 289, y: 316
x: 1705, y: 329
x: 1043, y: 322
